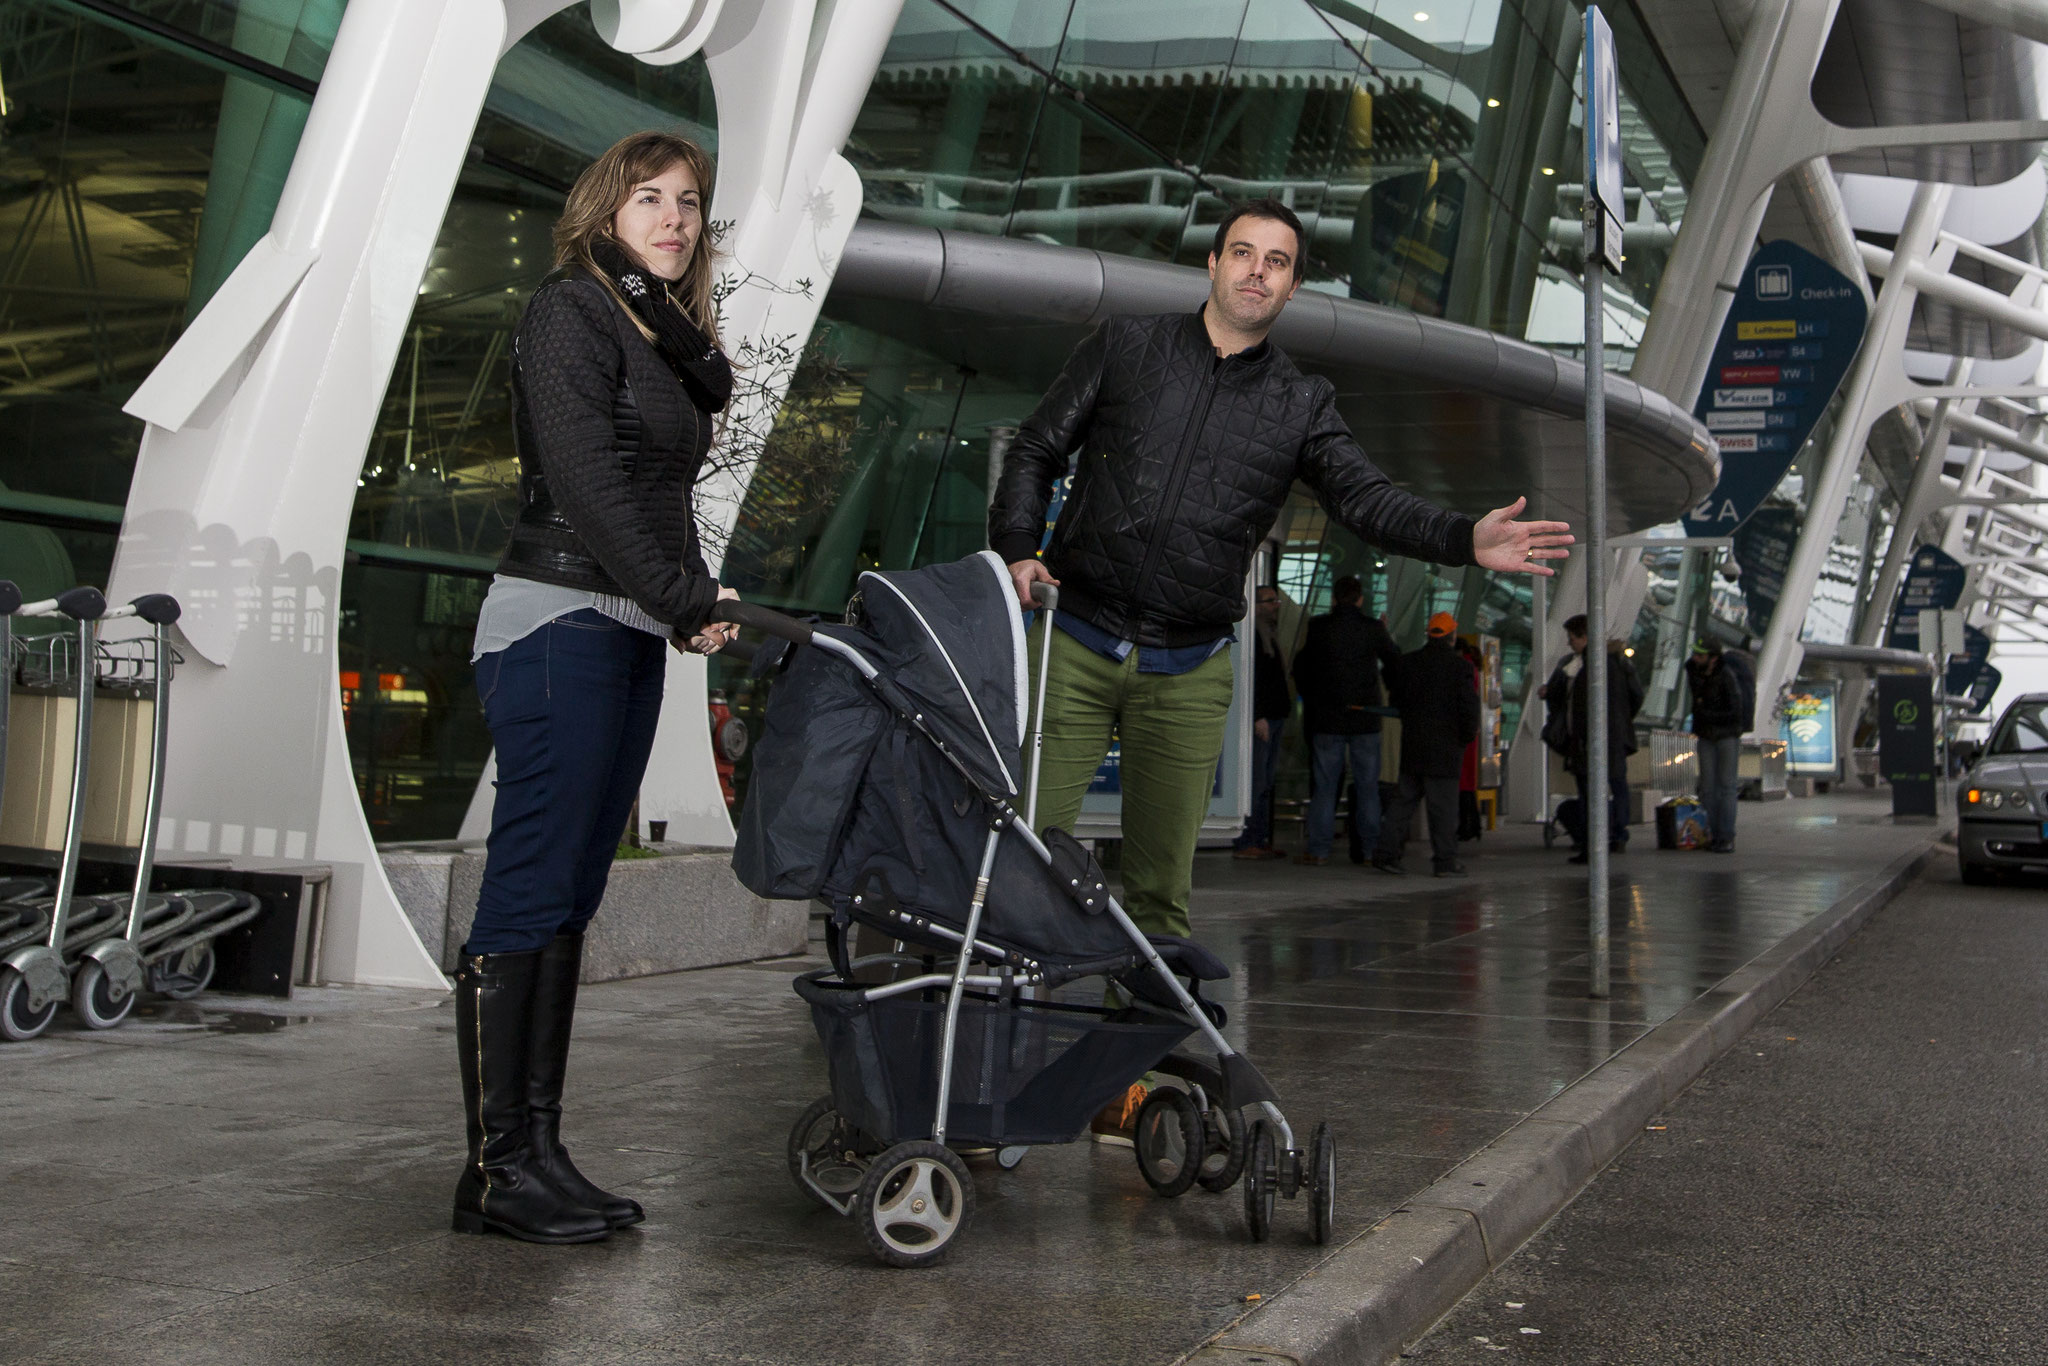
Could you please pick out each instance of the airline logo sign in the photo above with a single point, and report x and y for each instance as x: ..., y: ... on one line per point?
x: 1790, y: 335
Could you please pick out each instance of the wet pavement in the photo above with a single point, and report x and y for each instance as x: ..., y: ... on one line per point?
x: 232, y: 1180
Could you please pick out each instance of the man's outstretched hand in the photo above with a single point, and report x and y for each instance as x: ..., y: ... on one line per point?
x: 1501, y: 543
x: 1024, y: 573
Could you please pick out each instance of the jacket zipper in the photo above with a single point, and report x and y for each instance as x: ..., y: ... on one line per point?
x: 1149, y: 566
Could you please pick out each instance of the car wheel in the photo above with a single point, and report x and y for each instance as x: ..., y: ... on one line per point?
x: 1976, y: 874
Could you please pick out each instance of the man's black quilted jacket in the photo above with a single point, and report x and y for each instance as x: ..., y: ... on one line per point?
x: 609, y: 445
x: 1185, y: 460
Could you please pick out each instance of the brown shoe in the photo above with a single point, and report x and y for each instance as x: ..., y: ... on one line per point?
x: 1252, y: 851
x: 1116, y: 1122
x: 1310, y: 860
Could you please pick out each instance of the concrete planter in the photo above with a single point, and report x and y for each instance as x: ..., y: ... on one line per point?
x: 684, y: 909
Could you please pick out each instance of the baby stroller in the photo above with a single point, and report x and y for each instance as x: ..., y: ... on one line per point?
x: 884, y: 784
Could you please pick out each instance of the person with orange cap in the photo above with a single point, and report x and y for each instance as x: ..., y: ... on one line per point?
x: 1439, y: 706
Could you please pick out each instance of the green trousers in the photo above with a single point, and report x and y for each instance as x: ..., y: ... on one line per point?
x: 1171, y: 729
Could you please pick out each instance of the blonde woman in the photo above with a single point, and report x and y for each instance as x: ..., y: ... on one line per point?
x: 616, y: 378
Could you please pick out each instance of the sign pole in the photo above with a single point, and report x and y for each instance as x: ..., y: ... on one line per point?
x: 1602, y: 214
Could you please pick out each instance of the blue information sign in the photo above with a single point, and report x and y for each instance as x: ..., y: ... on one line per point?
x: 1935, y: 582
x: 1791, y: 332
x: 1603, y: 141
x: 1964, y: 668
x: 1763, y: 548
x: 1809, y: 728
x: 1984, y: 689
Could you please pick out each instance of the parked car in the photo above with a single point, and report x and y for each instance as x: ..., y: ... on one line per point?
x: 2002, y: 816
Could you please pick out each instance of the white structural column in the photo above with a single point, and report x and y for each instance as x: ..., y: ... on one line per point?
x: 259, y: 416
x: 1877, y: 383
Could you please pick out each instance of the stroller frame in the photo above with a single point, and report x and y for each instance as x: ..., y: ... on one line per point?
x: 1270, y: 1168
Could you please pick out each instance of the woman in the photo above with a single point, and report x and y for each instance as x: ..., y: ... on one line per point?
x: 616, y: 376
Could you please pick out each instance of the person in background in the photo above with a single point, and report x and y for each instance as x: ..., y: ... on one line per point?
x: 1468, y: 769
x: 1556, y: 694
x: 1338, y: 671
x: 1722, y: 684
x: 1272, y: 704
x: 1624, y: 700
x: 1439, y: 705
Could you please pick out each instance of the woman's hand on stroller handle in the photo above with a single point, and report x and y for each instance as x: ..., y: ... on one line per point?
x: 716, y: 633
x: 766, y: 620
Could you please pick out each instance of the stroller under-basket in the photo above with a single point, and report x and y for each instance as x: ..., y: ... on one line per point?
x: 883, y: 784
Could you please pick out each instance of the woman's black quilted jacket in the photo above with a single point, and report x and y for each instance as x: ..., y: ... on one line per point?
x: 609, y: 445
x: 1185, y: 460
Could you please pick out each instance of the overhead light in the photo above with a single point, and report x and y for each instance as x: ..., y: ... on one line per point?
x: 1550, y: 170
x: 1493, y: 104
x: 1421, y: 18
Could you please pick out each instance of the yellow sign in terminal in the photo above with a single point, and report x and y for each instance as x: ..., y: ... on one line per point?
x: 1767, y: 329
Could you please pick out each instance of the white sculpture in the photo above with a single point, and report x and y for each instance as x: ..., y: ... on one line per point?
x: 260, y: 415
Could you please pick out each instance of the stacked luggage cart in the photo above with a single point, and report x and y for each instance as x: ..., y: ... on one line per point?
x: 58, y: 945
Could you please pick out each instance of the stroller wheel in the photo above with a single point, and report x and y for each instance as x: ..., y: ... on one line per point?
x: 915, y: 1199
x: 1322, y: 1183
x: 1012, y: 1157
x: 1223, y: 1159
x: 185, y: 976
x: 17, y: 1021
x: 93, y: 999
x: 1261, y: 1180
x: 823, y: 1160
x: 1168, y: 1139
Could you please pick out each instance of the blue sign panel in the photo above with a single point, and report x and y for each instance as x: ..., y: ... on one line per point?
x: 1791, y: 307
x: 1935, y: 581
x: 1984, y: 689
x: 1763, y: 548
x: 1964, y: 668
x: 1809, y: 728
x: 1603, y: 143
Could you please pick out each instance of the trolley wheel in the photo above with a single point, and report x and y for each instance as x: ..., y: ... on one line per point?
x: 1549, y: 832
x: 93, y: 999
x: 913, y: 1202
x: 823, y: 1142
x: 17, y: 1021
x: 1167, y: 1137
x: 1261, y: 1180
x: 185, y: 976
x: 1322, y: 1184
x: 1012, y: 1157
x: 1223, y: 1159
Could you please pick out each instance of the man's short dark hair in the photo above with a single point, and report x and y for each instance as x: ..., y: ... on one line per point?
x: 1575, y: 626
x: 1347, y: 590
x: 1269, y: 208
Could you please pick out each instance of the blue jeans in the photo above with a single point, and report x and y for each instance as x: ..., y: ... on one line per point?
x: 1719, y: 784
x: 1326, y: 770
x: 1258, y: 822
x: 572, y: 710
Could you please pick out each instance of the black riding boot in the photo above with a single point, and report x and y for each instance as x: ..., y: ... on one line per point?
x: 554, y: 1014
x: 503, y: 1187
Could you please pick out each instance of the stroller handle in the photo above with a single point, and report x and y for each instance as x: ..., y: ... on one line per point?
x: 766, y: 620
x: 1045, y: 595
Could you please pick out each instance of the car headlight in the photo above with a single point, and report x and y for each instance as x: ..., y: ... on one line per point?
x: 1993, y: 798
x: 2019, y: 799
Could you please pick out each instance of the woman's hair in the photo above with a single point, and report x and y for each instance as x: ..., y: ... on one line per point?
x: 601, y: 191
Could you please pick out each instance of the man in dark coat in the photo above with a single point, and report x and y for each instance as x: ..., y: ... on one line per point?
x: 1272, y: 704
x: 1439, y: 706
x: 1624, y: 700
x: 1723, y: 687
x: 1338, y: 671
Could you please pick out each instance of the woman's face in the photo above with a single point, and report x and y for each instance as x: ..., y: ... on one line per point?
x: 660, y: 221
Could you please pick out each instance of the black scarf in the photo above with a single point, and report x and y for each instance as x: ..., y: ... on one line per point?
x: 705, y: 372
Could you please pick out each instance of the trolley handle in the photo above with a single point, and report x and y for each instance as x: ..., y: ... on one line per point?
x: 766, y: 620
x: 80, y: 604
x: 1045, y: 595
x: 158, y: 609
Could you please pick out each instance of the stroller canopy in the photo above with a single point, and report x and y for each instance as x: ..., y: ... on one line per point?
x: 956, y: 644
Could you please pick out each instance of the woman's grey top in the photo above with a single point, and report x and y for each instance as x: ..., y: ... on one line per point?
x: 515, y: 608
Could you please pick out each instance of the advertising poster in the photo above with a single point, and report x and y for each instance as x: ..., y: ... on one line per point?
x: 1808, y: 726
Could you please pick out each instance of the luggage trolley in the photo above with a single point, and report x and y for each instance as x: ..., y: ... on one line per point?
x: 884, y: 784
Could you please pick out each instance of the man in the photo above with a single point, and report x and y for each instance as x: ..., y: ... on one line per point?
x: 1272, y: 704
x: 1338, y: 671
x: 1624, y: 700
x: 1556, y: 694
x: 1439, y: 706
x: 1186, y: 432
x: 1723, y: 687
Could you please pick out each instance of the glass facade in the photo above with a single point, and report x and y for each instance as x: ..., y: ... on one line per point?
x: 143, y: 144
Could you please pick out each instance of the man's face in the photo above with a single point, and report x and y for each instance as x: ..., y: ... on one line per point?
x: 1256, y: 275
x: 1576, y: 641
x: 1269, y: 608
x: 1703, y: 658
